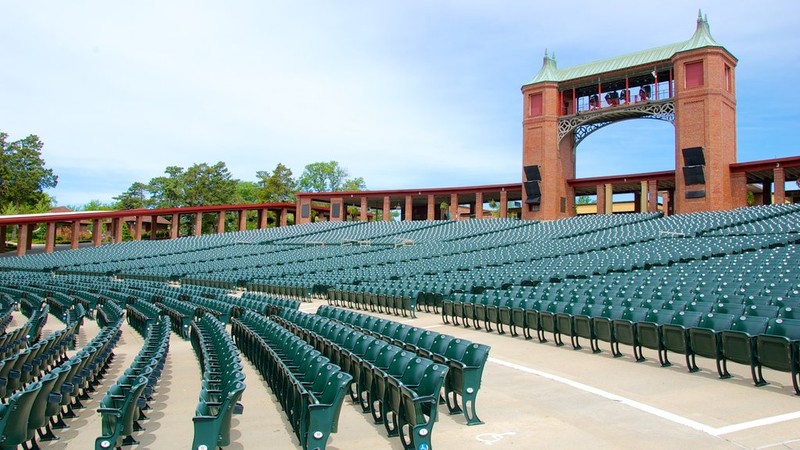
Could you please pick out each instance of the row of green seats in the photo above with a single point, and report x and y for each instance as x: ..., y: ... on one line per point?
x: 400, y: 389
x: 222, y: 383
x: 123, y: 404
x: 308, y: 386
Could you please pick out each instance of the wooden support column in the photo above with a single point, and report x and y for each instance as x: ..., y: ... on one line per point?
x: 504, y: 204
x: 652, y: 196
x: 609, y: 199
x: 780, y: 185
x: 453, y: 206
x: 478, y: 210
x: 221, y: 222
x: 601, y: 198
x: 387, y: 209
x: 138, y: 229
x: 431, y: 214
x: 153, y: 228
x: 22, y: 239
x: 263, y: 215
x: 283, y: 219
x: 116, y: 229
x: 3, y: 231
x: 642, y: 203
x: 242, y: 219
x: 175, y: 226
x: 409, y: 209
x: 198, y: 223
x: 75, y: 234
x: 50, y: 237
x: 97, y: 232
x: 766, y: 192
x: 364, y: 210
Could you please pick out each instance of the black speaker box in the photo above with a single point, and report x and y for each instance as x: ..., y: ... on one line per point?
x: 694, y: 175
x: 693, y: 156
x: 532, y: 192
x: 532, y: 173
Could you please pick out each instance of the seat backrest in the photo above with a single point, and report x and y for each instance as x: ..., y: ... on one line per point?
x: 415, y: 371
x: 788, y: 328
x: 660, y: 316
x: 456, y: 349
x: 440, y: 344
x: 635, y: 314
x: 717, y: 322
x: 750, y: 325
x: 687, y: 319
x: 14, y: 423
x: 432, y: 380
x: 400, y: 363
x: 789, y: 312
x: 770, y: 311
x: 476, y: 355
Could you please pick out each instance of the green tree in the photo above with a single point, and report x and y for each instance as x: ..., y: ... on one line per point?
x: 328, y: 177
x: 246, y: 192
x: 23, y: 175
x: 208, y: 185
x: 134, y: 198
x: 277, y: 186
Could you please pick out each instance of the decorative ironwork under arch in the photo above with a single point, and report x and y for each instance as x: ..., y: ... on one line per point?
x: 586, y: 123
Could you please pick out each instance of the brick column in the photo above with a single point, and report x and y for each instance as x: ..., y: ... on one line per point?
x: 609, y: 199
x: 780, y: 185
x: 97, y: 232
x: 3, y: 231
x: 478, y: 210
x: 364, y: 210
x: 242, y: 219
x: 50, y: 237
x: 283, y: 219
x: 666, y: 200
x: 453, y: 206
x: 601, y: 198
x: 431, y: 213
x: 175, y: 226
x: 504, y: 204
x: 652, y: 196
x: 221, y: 222
x: 22, y: 239
x: 409, y: 209
x: 198, y: 224
x: 387, y: 213
x: 75, y: 234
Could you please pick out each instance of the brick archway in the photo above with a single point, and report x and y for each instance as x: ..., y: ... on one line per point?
x: 689, y: 83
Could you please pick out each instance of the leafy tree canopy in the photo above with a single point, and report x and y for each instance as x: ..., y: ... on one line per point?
x: 277, y: 186
x: 328, y: 177
x: 23, y: 175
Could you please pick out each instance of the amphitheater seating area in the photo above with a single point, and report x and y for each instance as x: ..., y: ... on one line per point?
x: 723, y: 287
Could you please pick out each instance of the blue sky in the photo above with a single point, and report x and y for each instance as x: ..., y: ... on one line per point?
x: 404, y: 94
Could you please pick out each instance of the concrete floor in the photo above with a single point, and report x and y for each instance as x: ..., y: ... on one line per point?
x: 534, y: 395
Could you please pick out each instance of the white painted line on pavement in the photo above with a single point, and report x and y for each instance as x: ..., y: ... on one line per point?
x: 650, y: 409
